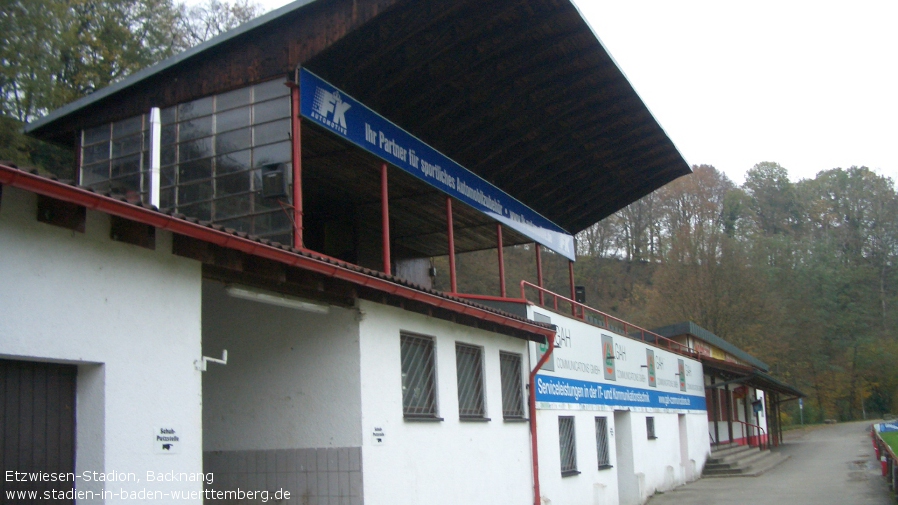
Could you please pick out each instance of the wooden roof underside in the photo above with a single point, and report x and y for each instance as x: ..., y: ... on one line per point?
x: 518, y: 91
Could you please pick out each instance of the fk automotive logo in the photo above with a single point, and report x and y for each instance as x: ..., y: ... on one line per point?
x: 330, y: 109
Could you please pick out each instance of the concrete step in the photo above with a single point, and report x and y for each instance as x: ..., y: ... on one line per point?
x: 727, y: 448
x: 763, y: 465
x: 739, y: 460
x: 731, y: 454
x: 750, y: 467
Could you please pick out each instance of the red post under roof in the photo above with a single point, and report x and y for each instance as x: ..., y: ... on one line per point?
x: 296, y: 128
x: 453, y: 286
x: 539, y: 274
x: 570, y: 268
x: 217, y: 235
x: 385, y: 217
x: 501, y: 260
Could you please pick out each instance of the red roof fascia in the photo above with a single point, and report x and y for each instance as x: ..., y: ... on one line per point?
x: 327, y: 266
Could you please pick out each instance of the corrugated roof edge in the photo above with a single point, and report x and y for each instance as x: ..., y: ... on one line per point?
x: 756, y: 378
x: 163, y: 65
x: 30, y: 180
x: 630, y: 83
x: 688, y: 327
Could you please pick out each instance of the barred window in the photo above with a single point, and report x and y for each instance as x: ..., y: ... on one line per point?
x: 418, y: 377
x: 512, y: 394
x: 469, y: 372
x: 650, y: 427
x: 567, y: 443
x: 602, y: 443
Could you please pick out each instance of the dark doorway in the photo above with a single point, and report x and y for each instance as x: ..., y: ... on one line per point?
x: 37, y: 427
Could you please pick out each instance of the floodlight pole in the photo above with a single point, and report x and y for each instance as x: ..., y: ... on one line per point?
x: 453, y: 286
x: 539, y: 273
x: 296, y: 128
x: 501, y: 260
x: 385, y: 217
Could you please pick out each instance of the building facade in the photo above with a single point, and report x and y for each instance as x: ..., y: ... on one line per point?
x: 233, y: 301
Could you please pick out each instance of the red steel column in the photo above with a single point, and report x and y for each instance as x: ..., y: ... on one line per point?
x: 385, y: 217
x: 539, y: 273
x: 79, y: 143
x: 452, y: 284
x: 570, y: 268
x: 501, y: 260
x: 297, y: 167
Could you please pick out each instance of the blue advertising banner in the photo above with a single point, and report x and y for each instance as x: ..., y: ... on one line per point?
x: 339, y: 113
x: 561, y: 390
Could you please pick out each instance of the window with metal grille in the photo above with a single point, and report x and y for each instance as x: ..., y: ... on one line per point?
x: 602, y: 443
x: 469, y: 372
x: 567, y: 443
x: 419, y: 398
x: 650, y: 427
x: 512, y: 394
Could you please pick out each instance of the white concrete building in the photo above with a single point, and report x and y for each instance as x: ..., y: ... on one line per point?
x: 311, y: 400
x: 234, y: 301
x: 742, y: 398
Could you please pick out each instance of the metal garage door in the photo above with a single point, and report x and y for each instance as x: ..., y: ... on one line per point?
x: 37, y: 428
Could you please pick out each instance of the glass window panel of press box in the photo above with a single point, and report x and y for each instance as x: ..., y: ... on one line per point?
x: 115, y: 158
x: 214, y: 151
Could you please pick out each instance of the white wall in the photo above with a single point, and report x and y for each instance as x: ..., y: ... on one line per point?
x: 657, y: 460
x: 592, y: 486
x: 640, y: 466
x: 128, y: 316
x: 446, y: 462
x: 292, y: 378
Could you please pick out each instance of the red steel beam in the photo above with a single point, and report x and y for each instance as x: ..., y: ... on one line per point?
x: 570, y: 269
x: 501, y: 260
x: 453, y: 286
x: 307, y: 261
x: 539, y: 274
x: 296, y: 128
x: 385, y: 217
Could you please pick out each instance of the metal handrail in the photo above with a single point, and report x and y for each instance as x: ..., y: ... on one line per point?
x: 749, y: 437
x: 885, y: 446
x: 609, y: 322
x: 889, y: 460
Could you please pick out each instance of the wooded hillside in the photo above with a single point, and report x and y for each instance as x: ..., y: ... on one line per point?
x: 799, y: 274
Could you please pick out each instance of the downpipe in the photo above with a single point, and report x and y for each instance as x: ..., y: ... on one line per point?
x: 534, y: 449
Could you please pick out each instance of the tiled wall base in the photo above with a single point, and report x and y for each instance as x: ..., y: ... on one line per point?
x: 331, y: 476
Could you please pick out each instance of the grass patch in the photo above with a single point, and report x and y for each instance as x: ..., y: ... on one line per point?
x: 891, y: 438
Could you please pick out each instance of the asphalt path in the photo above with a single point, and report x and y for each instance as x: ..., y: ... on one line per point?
x: 831, y: 465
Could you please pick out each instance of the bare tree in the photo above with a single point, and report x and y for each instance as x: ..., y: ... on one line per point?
x: 204, y: 21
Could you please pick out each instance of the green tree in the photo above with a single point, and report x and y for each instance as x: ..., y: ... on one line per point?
x: 56, y: 51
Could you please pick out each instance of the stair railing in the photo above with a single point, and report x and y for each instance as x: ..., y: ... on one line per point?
x: 757, y: 437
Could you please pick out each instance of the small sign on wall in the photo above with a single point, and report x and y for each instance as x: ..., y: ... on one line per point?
x: 377, y: 436
x: 167, y: 440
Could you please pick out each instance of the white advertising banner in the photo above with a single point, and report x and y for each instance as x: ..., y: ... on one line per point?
x: 594, y: 366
